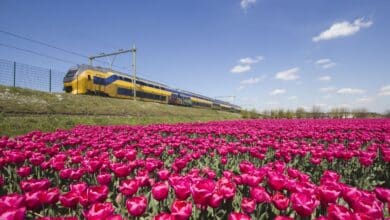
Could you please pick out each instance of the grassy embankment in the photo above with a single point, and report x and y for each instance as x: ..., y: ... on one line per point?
x: 24, y: 110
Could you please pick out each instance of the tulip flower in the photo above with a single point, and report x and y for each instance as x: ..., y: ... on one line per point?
x: 104, y: 178
x: 259, y: 194
x: 14, y: 214
x: 33, y: 199
x: 228, y: 190
x: 202, y: 191
x: 11, y: 201
x: 276, y: 181
x: 50, y: 196
x: 280, y: 201
x: 238, y: 216
x: 182, y: 188
x: 24, y: 171
x: 328, y: 194
x: 160, y: 191
x: 69, y: 199
x: 216, y: 200
x: 121, y: 170
x: 136, y: 206
x: 99, y: 211
x: 248, y: 205
x: 383, y: 194
x: 163, y: 216
x: 303, y: 204
x: 128, y: 187
x: 181, y: 210
x: 163, y: 174
x: 336, y: 212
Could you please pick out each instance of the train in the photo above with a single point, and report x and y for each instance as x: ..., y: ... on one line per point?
x: 94, y: 80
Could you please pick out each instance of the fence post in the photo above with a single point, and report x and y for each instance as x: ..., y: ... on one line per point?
x: 49, y: 80
x: 14, y: 73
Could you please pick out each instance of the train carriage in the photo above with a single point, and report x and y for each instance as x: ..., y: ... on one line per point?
x: 86, y: 79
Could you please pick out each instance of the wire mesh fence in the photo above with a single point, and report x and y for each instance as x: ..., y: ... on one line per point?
x: 22, y: 75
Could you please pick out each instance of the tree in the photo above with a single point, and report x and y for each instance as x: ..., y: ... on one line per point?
x: 387, y: 113
x: 289, y: 114
x: 300, y: 113
x: 360, y: 113
x: 316, y: 111
x: 281, y: 113
x: 274, y: 113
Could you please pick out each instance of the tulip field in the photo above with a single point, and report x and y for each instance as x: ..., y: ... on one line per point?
x: 243, y: 169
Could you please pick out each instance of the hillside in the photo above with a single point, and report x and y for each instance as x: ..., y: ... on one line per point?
x: 24, y: 110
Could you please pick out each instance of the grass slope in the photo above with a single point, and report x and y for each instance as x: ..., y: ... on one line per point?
x: 24, y: 110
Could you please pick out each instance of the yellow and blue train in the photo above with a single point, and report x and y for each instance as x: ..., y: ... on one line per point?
x: 86, y: 79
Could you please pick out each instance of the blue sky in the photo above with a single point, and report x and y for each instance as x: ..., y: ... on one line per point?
x: 269, y: 54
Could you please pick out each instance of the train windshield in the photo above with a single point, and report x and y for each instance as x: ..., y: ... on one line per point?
x: 70, y: 73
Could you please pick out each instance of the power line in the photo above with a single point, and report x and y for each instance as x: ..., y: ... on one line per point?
x: 54, y: 47
x: 43, y: 43
x: 47, y: 56
x: 36, y: 53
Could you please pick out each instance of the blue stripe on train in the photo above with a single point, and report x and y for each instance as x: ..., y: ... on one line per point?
x: 104, y: 81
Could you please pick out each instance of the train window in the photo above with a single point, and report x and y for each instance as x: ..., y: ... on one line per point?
x: 70, y: 73
x: 89, y: 77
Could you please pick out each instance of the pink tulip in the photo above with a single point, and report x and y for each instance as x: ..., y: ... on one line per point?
x: 238, y: 216
x: 99, y: 211
x: 137, y: 205
x: 14, y: 214
x: 259, y: 194
x: 128, y: 187
x: 248, y: 205
x: 24, y: 171
x: 104, y: 178
x: 303, y: 204
x: 280, y: 201
x: 202, y: 191
x: 181, y: 210
x: 160, y: 191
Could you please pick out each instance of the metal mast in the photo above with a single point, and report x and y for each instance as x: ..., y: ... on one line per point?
x: 133, y: 52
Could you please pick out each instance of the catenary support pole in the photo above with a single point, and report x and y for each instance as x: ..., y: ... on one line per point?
x: 134, y: 65
x: 49, y: 80
x: 14, y: 74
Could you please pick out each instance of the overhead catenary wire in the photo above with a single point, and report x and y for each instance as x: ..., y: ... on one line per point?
x: 57, y: 48
x: 36, y: 53
x: 53, y: 47
x: 45, y: 55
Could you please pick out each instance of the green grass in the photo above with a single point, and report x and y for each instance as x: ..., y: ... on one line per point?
x: 25, y: 110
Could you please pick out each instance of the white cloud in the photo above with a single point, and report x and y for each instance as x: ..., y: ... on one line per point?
x: 240, y: 88
x: 245, y: 64
x: 292, y: 98
x: 327, y: 89
x: 325, y: 63
x: 384, y: 91
x: 240, y: 69
x: 350, y: 91
x: 277, y: 92
x: 364, y: 99
x: 328, y: 65
x: 325, y: 78
x: 253, y: 80
x: 247, y: 3
x: 249, y: 60
x: 343, y: 29
x: 290, y: 74
x: 322, y: 61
